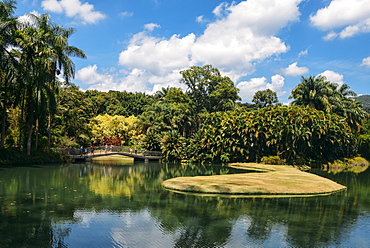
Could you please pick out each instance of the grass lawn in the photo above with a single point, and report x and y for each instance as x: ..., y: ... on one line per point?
x: 113, y: 160
x: 273, y: 180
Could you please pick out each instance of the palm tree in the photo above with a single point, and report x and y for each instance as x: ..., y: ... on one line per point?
x: 317, y: 93
x: 60, y: 63
x: 8, y: 27
x: 314, y: 92
x: 44, y: 55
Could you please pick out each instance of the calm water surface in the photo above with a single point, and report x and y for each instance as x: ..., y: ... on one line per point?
x: 90, y: 205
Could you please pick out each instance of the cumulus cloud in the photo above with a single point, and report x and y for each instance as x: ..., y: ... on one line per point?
x: 249, y: 88
x: 333, y: 77
x: 352, y: 16
x: 200, y: 19
x: 158, y: 57
x: 135, y: 80
x: 233, y: 43
x: 237, y: 41
x: 151, y: 26
x: 126, y: 14
x: 89, y: 75
x: 294, y: 70
x: 366, y: 62
x: 221, y: 10
x: 303, y: 53
x: 26, y: 19
x: 132, y: 81
x: 74, y: 8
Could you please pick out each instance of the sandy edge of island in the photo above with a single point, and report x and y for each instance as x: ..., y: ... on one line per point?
x: 268, y: 180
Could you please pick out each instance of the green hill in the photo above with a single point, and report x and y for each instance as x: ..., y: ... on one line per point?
x: 365, y: 100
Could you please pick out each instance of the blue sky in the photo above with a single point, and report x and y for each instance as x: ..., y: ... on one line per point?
x: 141, y: 45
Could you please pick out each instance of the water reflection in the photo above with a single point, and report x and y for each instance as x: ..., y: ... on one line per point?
x: 90, y: 205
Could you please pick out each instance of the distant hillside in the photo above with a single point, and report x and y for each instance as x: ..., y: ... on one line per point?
x: 365, y: 100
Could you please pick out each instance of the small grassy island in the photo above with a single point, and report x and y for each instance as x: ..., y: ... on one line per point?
x: 269, y: 180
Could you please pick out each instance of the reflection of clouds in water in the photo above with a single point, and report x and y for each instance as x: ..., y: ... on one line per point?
x: 84, y: 217
x: 125, y: 229
x: 275, y: 237
x: 140, y: 230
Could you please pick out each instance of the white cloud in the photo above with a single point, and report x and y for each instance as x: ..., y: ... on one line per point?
x: 331, y: 36
x: 74, y: 8
x: 221, y: 10
x: 233, y: 43
x: 200, y: 19
x: 157, y: 56
x: 249, y: 88
x: 26, y: 19
x: 366, y: 62
x: 126, y: 14
x: 89, y: 75
x: 151, y: 26
x: 135, y: 80
x: 131, y: 81
x: 353, y: 15
x: 294, y: 70
x: 333, y: 77
x: 303, y: 53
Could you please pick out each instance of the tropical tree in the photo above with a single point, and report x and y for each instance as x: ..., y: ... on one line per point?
x: 152, y: 141
x: 314, y: 92
x: 320, y: 94
x: 264, y: 98
x: 208, y: 90
x: 8, y: 64
x: 106, y: 127
x: 172, y: 146
x: 44, y: 54
x: 73, y: 114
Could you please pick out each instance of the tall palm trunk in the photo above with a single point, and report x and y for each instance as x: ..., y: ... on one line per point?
x: 30, y: 118
x: 3, y: 119
x: 50, y: 119
x: 3, y: 125
x: 37, y: 119
x: 37, y: 133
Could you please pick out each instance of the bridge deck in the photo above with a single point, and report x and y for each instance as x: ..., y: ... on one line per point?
x: 137, y: 157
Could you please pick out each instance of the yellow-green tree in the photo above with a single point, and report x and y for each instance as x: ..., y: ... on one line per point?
x: 105, y: 127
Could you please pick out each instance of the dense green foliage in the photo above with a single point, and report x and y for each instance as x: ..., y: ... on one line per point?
x: 320, y: 94
x: 33, y: 54
x: 15, y: 157
x: 297, y: 134
x: 202, y: 122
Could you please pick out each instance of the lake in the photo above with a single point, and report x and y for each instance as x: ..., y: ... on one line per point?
x: 91, y: 205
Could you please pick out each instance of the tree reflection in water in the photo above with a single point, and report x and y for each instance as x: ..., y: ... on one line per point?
x: 41, y: 207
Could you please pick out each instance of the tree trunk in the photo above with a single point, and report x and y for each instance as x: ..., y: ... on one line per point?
x: 30, y: 116
x: 29, y: 135
x: 4, y: 116
x: 50, y: 119
x: 3, y: 124
x: 37, y: 133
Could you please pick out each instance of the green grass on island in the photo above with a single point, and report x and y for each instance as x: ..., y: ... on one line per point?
x: 273, y: 180
x: 113, y: 160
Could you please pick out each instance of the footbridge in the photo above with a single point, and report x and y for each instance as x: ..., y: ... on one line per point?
x: 137, y: 157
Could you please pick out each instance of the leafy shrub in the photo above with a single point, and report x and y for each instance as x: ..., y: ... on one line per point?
x: 357, y: 161
x: 356, y: 165
x: 273, y: 160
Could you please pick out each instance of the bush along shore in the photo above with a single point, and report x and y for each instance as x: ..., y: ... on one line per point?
x: 16, y: 157
x: 272, y: 180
